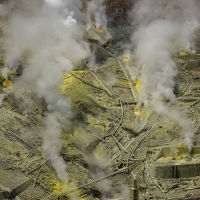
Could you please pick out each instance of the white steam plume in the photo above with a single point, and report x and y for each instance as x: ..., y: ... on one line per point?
x: 56, y: 3
x: 162, y: 28
x: 36, y: 31
x: 96, y: 13
x: 106, y: 187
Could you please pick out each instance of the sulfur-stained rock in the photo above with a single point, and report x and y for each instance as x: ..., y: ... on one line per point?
x: 112, y: 138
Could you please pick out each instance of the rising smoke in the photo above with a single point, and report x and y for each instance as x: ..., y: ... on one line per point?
x: 163, y: 28
x: 37, y: 31
x: 51, y: 40
x: 96, y: 13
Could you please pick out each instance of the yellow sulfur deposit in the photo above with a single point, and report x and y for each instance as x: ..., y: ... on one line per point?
x: 99, y: 30
x: 137, y: 110
x: 6, y: 85
x: 59, y: 188
x: 126, y: 59
x: 183, y: 53
x: 137, y: 84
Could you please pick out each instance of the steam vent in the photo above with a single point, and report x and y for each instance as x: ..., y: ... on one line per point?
x: 99, y: 100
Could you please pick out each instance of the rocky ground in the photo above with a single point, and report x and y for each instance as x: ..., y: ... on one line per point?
x: 112, y: 140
